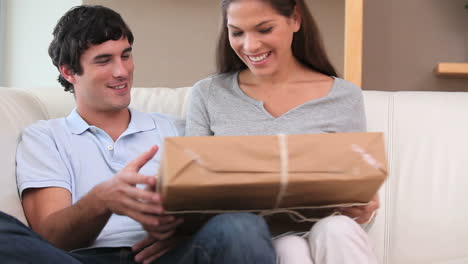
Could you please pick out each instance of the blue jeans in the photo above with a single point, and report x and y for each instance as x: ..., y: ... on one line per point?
x: 226, y: 238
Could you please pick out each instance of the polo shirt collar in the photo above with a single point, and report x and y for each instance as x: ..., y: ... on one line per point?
x: 75, y: 123
x: 139, y: 122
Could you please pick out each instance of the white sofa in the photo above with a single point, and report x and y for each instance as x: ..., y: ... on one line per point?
x: 424, y: 203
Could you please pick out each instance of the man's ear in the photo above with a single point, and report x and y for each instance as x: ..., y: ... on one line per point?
x: 67, y: 73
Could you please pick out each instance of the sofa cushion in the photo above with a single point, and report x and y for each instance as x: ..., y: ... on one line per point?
x: 18, y: 109
x: 170, y: 101
x: 423, y: 203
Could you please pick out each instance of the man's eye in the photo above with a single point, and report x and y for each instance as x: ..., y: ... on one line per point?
x: 126, y: 56
x: 102, y: 61
x: 266, y: 30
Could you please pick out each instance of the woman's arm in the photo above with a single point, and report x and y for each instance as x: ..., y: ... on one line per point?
x: 198, y: 118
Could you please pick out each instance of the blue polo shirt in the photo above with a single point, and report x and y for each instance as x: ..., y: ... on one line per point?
x: 70, y: 154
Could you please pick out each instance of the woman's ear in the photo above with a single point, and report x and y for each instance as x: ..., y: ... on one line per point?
x: 297, y: 20
x: 67, y: 73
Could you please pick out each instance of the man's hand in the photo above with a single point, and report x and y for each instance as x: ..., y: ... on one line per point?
x: 151, y: 248
x: 167, y: 223
x: 362, y: 214
x: 121, y: 196
x: 166, y: 228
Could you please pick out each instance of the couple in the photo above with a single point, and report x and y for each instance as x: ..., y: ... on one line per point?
x: 86, y: 180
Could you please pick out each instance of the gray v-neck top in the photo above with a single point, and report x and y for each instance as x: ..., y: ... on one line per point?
x: 219, y: 107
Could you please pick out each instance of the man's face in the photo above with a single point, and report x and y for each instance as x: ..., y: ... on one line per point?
x: 104, y: 85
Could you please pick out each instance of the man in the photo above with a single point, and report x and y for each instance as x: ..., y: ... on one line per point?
x: 82, y: 188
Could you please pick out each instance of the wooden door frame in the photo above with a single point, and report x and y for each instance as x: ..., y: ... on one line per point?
x: 353, y: 41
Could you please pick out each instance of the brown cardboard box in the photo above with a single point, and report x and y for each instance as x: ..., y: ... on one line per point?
x: 215, y: 174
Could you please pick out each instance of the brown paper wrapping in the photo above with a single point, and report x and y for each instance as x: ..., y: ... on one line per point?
x: 203, y: 175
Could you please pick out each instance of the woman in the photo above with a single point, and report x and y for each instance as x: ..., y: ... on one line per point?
x: 274, y: 77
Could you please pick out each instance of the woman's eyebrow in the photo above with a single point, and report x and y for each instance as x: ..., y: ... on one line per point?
x: 258, y: 25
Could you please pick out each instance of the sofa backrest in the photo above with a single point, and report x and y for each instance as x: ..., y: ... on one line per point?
x: 172, y: 101
x: 18, y: 109
x: 423, y: 203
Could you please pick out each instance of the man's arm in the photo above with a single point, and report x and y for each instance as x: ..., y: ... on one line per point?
x: 50, y: 211
x: 51, y: 214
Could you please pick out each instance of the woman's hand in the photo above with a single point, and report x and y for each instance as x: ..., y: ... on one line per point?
x: 362, y: 214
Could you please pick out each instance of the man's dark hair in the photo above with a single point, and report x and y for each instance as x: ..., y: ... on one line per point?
x: 79, y: 28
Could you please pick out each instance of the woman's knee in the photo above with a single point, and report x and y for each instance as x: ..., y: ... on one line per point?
x: 292, y: 249
x: 336, y: 228
x: 338, y: 238
x: 338, y: 224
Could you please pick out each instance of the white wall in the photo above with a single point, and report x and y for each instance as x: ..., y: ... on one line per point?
x: 330, y: 18
x: 28, y: 32
x: 175, y: 40
x: 174, y: 46
x: 404, y: 40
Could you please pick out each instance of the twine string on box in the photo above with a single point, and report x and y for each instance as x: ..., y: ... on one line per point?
x: 284, y: 168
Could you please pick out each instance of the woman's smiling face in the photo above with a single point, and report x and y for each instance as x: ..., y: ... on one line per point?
x: 260, y: 36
